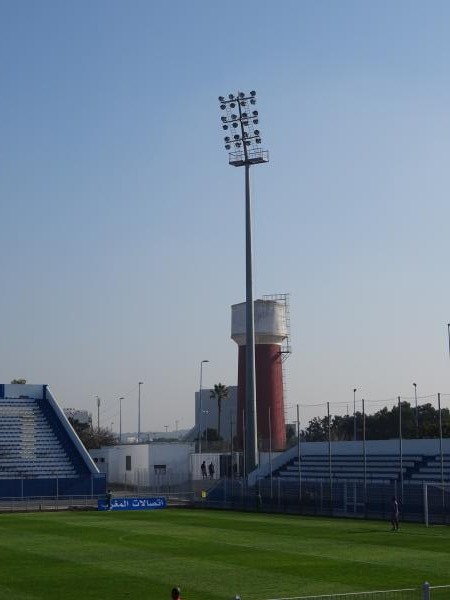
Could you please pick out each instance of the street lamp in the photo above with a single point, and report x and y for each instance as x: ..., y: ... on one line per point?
x: 200, y: 408
x: 139, y: 410
x: 98, y: 413
x: 120, y: 419
x: 417, y: 410
x: 354, y: 414
x: 240, y: 122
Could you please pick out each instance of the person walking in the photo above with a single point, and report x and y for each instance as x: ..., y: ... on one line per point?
x: 395, y: 514
x: 203, y: 469
x: 211, y: 470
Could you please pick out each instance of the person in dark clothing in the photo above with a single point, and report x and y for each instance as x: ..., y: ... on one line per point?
x: 108, y: 499
x: 176, y: 593
x: 203, y: 469
x: 395, y: 514
x: 211, y: 470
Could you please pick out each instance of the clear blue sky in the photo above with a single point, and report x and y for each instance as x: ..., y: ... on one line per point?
x: 122, y: 225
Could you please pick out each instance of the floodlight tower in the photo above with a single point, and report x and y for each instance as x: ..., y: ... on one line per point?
x: 241, y: 120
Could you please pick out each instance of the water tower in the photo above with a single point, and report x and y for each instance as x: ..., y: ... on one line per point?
x: 271, y: 347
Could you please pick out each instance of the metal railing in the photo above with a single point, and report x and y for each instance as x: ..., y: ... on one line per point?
x: 425, y: 592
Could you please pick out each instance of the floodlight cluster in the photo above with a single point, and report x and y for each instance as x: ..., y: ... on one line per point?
x: 240, y: 120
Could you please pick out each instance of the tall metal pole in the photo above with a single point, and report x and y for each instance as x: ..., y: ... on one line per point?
x: 354, y: 414
x: 364, y: 451
x: 98, y: 413
x: 120, y: 420
x: 448, y: 334
x: 270, y: 455
x: 441, y: 451
x: 139, y: 411
x: 329, y: 456
x: 250, y: 376
x: 417, y: 410
x: 200, y: 408
x: 299, y: 456
x: 400, y: 439
x: 248, y: 139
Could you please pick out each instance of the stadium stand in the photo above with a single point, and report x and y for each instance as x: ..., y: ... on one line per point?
x: 40, y: 453
x: 351, y: 467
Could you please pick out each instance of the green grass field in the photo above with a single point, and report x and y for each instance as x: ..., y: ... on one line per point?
x: 211, y: 555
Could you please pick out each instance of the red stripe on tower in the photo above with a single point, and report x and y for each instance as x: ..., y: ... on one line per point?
x: 270, y: 331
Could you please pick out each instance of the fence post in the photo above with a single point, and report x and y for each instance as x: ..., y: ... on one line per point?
x: 426, y: 591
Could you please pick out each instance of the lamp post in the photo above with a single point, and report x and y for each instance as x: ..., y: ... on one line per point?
x: 417, y: 410
x: 244, y: 139
x: 354, y: 414
x: 98, y: 413
x: 448, y: 334
x: 139, y: 410
x: 120, y: 419
x: 200, y: 408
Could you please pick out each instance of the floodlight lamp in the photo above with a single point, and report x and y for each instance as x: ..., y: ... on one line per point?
x: 223, y: 106
x: 255, y: 113
x: 252, y: 101
x: 253, y: 93
x: 247, y: 143
x: 224, y: 127
x: 227, y: 139
x: 237, y: 144
x: 232, y: 104
x: 258, y: 140
x: 223, y: 119
x: 234, y: 124
x: 255, y: 121
x: 256, y: 132
x: 245, y: 134
x: 236, y: 136
x: 230, y: 96
x: 241, y: 95
x: 243, y: 103
x: 244, y: 115
x: 221, y: 99
x: 245, y: 123
x: 234, y: 117
x: 227, y: 147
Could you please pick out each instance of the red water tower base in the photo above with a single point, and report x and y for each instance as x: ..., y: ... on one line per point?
x: 271, y: 425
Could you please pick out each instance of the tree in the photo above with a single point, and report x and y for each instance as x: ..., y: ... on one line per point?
x: 220, y: 392
x: 92, y: 438
x: 19, y: 381
x: 382, y: 425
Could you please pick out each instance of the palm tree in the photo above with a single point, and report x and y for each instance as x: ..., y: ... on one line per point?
x: 220, y: 392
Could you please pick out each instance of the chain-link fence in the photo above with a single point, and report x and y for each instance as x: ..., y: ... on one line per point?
x: 355, y: 499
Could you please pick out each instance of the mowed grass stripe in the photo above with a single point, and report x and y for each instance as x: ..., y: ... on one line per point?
x: 211, y: 554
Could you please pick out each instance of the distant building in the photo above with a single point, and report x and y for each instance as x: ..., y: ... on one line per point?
x: 210, y: 412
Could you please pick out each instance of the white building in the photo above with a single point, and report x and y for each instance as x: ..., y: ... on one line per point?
x: 145, y: 464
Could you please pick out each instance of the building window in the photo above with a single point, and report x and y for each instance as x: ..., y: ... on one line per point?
x: 128, y: 463
x: 102, y: 460
x: 96, y: 460
x: 160, y: 469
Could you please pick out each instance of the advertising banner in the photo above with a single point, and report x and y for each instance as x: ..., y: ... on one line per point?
x: 133, y: 503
